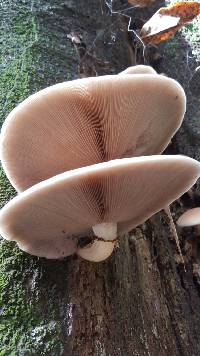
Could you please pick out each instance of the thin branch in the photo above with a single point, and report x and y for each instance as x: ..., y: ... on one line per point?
x: 174, y: 233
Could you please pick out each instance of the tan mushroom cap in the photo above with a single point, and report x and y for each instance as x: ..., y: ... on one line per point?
x: 140, y: 69
x: 88, y: 121
x: 112, y: 192
x: 189, y: 218
x: 52, y: 248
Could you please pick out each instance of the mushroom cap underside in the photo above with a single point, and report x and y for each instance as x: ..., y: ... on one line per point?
x: 125, y: 191
x: 88, y: 121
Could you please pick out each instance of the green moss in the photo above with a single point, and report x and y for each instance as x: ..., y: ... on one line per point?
x: 172, y: 46
x: 23, y: 328
x: 6, y: 190
x: 18, y: 33
x: 191, y: 32
x: 31, y: 58
x: 196, y: 119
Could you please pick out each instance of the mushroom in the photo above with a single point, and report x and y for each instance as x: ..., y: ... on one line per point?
x: 51, y: 248
x: 140, y: 69
x: 104, y: 199
x: 189, y: 218
x: 97, y: 251
x: 88, y: 121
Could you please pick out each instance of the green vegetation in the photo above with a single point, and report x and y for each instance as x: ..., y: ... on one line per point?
x: 172, y: 46
x: 23, y: 328
x: 191, y: 32
x: 31, y: 58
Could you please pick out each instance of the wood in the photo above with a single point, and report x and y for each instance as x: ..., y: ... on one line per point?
x: 140, y: 301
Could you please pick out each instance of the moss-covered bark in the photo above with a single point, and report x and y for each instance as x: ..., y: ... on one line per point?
x: 32, y: 57
x: 140, y: 301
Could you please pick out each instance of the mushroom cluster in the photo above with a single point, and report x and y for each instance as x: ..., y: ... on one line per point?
x: 84, y: 158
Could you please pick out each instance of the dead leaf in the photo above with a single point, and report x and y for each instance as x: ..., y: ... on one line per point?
x: 168, y: 20
x: 141, y: 3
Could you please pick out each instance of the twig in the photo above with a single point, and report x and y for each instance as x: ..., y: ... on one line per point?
x: 174, y: 233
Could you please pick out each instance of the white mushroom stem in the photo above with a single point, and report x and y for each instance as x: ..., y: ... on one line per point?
x: 97, y: 251
x: 106, y: 231
x: 103, y: 246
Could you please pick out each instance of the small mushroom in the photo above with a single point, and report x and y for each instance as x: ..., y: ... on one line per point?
x: 106, y: 198
x: 88, y: 121
x: 97, y: 251
x: 140, y: 69
x: 189, y: 218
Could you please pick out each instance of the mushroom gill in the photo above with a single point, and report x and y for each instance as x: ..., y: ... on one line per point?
x: 107, y: 197
x: 89, y: 121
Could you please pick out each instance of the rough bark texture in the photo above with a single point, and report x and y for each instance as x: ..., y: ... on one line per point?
x: 140, y: 301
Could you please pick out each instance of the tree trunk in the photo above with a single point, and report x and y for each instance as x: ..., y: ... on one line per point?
x: 140, y: 301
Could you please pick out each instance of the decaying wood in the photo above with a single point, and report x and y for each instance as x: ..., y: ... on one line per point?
x: 140, y: 301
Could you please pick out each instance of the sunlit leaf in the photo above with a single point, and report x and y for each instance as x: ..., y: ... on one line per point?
x: 168, y: 20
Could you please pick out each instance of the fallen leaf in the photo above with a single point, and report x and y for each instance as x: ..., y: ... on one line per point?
x: 168, y: 20
x: 141, y: 3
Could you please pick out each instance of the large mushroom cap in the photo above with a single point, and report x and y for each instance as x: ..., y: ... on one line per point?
x: 51, y: 248
x: 189, y: 218
x: 88, y: 121
x: 119, y: 191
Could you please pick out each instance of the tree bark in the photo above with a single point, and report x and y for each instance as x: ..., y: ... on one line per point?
x: 140, y: 301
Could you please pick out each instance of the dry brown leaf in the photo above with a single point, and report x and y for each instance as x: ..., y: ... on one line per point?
x: 141, y: 3
x: 167, y: 20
